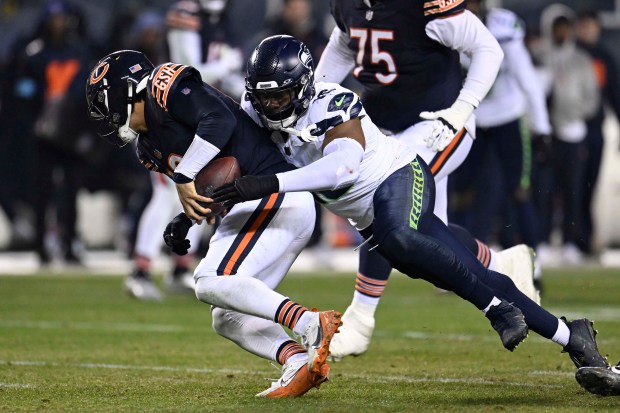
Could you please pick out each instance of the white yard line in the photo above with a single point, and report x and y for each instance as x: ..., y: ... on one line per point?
x: 373, y: 378
x: 16, y: 386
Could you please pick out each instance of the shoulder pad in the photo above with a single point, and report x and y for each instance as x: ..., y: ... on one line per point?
x: 185, y: 15
x: 434, y: 9
x: 163, y: 80
x: 505, y: 25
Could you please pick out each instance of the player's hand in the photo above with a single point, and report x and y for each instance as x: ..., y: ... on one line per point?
x: 175, y: 234
x: 191, y: 202
x: 448, y: 123
x: 246, y: 188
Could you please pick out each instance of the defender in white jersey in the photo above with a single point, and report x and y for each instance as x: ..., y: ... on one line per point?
x: 323, y: 129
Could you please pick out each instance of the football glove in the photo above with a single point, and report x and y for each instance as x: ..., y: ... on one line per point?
x: 448, y: 123
x: 176, y: 232
x: 246, y: 188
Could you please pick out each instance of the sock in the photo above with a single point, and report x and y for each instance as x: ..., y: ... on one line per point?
x: 142, y: 263
x: 364, y: 304
x: 493, y: 260
x: 562, y: 335
x: 291, y: 351
x: 495, y: 301
x: 369, y: 290
x: 484, y: 253
x: 289, y: 313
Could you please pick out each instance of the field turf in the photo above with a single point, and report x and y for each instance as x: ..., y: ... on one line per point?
x: 77, y: 343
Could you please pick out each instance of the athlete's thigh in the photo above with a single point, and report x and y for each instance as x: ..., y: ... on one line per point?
x: 257, y: 234
x: 441, y: 163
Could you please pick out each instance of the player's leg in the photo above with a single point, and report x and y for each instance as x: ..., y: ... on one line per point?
x: 249, y: 254
x: 149, y: 241
x: 419, y: 244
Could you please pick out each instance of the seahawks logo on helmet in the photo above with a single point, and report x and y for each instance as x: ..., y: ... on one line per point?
x: 305, y: 57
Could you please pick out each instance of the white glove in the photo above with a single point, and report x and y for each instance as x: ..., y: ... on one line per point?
x: 448, y: 123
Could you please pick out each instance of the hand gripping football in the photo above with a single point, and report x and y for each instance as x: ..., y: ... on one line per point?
x: 216, y: 173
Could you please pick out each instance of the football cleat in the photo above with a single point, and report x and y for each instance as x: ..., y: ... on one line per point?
x: 140, y: 285
x: 518, y: 263
x: 353, y: 338
x: 509, y: 323
x: 581, y: 346
x: 295, y: 381
x: 604, y: 381
x: 317, y: 337
x: 180, y: 281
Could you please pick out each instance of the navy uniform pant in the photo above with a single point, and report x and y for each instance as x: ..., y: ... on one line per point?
x: 420, y: 245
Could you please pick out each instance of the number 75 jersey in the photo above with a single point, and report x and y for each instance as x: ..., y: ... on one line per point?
x: 403, y: 71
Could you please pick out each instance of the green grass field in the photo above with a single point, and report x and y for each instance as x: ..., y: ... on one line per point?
x: 77, y: 343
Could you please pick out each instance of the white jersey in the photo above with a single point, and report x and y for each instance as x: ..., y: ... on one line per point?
x: 331, y: 106
x: 517, y: 89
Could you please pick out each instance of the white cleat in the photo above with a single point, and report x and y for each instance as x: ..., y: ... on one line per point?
x: 354, y: 336
x: 142, y: 288
x: 518, y: 263
x: 317, y: 339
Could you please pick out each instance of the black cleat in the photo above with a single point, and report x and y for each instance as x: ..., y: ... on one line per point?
x: 600, y: 380
x: 509, y: 323
x: 581, y: 345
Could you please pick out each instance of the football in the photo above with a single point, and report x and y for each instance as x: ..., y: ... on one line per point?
x: 216, y: 173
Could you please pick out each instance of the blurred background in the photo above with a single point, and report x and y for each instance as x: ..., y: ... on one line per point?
x: 67, y: 199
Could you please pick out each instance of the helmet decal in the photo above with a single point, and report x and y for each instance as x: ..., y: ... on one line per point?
x: 98, y: 74
x: 305, y: 57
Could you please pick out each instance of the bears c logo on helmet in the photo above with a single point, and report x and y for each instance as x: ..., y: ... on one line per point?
x: 99, y: 72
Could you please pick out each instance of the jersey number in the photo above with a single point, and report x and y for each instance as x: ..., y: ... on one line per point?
x: 376, y: 54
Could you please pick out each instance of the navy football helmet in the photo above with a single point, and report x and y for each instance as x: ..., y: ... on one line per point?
x: 111, y: 90
x: 280, y: 80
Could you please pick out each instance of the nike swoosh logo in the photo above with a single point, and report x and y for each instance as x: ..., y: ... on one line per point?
x: 339, y: 102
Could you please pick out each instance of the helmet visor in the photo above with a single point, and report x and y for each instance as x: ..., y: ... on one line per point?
x: 106, y: 124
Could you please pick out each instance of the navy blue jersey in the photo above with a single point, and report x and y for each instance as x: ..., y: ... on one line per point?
x: 180, y: 106
x: 403, y: 71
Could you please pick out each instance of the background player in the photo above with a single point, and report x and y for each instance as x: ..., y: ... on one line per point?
x: 180, y: 124
x: 406, y: 56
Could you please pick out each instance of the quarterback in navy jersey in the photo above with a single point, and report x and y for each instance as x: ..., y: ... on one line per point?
x: 181, y: 124
x: 406, y: 55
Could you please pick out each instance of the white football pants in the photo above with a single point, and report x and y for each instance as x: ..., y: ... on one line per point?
x: 249, y: 254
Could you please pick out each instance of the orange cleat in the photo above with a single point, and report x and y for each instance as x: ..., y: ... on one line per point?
x: 296, y: 381
x: 317, y: 337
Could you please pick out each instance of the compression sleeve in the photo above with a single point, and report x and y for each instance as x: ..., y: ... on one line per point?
x: 466, y: 33
x: 337, y: 59
x: 339, y: 167
x: 520, y: 65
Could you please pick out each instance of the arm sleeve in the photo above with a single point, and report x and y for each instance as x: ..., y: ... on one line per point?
x: 338, y: 167
x: 337, y: 59
x: 465, y: 33
x: 520, y: 65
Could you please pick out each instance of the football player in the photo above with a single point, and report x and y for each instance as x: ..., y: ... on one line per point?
x: 406, y: 57
x: 180, y: 124
x: 384, y: 188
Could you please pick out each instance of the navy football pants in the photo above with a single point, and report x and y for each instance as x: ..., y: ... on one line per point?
x: 420, y: 245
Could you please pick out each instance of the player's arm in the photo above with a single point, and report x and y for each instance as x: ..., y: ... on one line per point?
x: 465, y: 33
x: 343, y: 150
x: 214, y: 124
x: 520, y: 65
x: 337, y: 59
